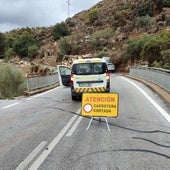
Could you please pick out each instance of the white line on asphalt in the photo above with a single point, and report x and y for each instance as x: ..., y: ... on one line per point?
x: 71, y: 131
x: 157, y: 106
x: 38, y: 95
x: 5, y: 107
x: 51, y: 146
x: 31, y: 156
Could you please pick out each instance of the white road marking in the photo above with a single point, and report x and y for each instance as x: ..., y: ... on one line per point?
x: 157, y: 106
x: 38, y: 95
x: 31, y: 156
x: 51, y: 146
x: 41, y: 94
x: 71, y: 131
x: 6, y: 107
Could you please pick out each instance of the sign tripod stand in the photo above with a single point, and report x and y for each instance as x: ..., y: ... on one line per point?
x: 99, y: 121
x: 99, y: 105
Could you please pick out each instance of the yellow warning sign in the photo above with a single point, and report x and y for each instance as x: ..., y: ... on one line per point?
x: 100, y: 104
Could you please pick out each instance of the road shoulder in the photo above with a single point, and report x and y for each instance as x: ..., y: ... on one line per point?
x: 163, y: 93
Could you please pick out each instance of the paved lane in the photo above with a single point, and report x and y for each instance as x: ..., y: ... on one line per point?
x: 45, y: 132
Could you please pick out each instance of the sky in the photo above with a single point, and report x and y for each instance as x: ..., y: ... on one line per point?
x: 39, y: 13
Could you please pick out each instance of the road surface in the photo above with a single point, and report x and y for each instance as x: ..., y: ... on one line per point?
x: 46, y: 132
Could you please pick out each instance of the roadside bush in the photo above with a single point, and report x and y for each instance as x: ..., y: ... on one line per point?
x: 135, y: 47
x: 154, y: 49
x: 12, y: 82
x: 166, y: 59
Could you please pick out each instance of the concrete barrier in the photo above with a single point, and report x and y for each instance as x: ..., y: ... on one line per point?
x: 160, y: 77
x: 39, y: 82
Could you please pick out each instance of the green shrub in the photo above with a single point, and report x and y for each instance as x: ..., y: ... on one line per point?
x: 102, y: 35
x: 166, y: 59
x: 12, y: 82
x: 60, y: 30
x: 60, y: 55
x: 93, y: 15
x: 32, y: 50
x: 163, y: 3
x: 105, y: 33
x: 145, y: 8
x: 2, y: 45
x: 143, y: 21
x: 120, y: 18
x: 23, y: 45
x: 65, y: 46
x: 75, y: 49
x: 9, y: 53
x: 151, y: 48
x: 156, y: 48
x: 135, y: 47
x: 68, y: 45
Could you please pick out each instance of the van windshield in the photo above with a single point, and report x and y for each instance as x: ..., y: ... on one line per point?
x: 89, y: 68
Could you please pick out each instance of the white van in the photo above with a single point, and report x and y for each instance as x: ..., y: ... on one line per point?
x: 89, y: 75
x: 86, y: 75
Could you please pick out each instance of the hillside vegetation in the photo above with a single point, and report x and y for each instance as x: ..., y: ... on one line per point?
x: 129, y: 31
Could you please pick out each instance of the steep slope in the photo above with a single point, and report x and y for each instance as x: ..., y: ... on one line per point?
x: 126, y: 18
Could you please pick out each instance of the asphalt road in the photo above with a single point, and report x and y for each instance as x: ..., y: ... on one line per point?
x: 45, y: 132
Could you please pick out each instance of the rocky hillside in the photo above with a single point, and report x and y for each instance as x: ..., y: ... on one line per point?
x: 127, y: 18
x: 123, y: 17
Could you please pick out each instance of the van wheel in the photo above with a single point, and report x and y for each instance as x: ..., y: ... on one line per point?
x: 74, y: 97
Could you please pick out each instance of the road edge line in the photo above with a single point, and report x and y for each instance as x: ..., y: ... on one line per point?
x: 157, y: 106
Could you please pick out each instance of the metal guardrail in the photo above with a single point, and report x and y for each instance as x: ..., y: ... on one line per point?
x: 41, y: 81
x: 158, y: 76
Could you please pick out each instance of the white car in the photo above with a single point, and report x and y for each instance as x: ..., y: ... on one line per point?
x: 111, y: 67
